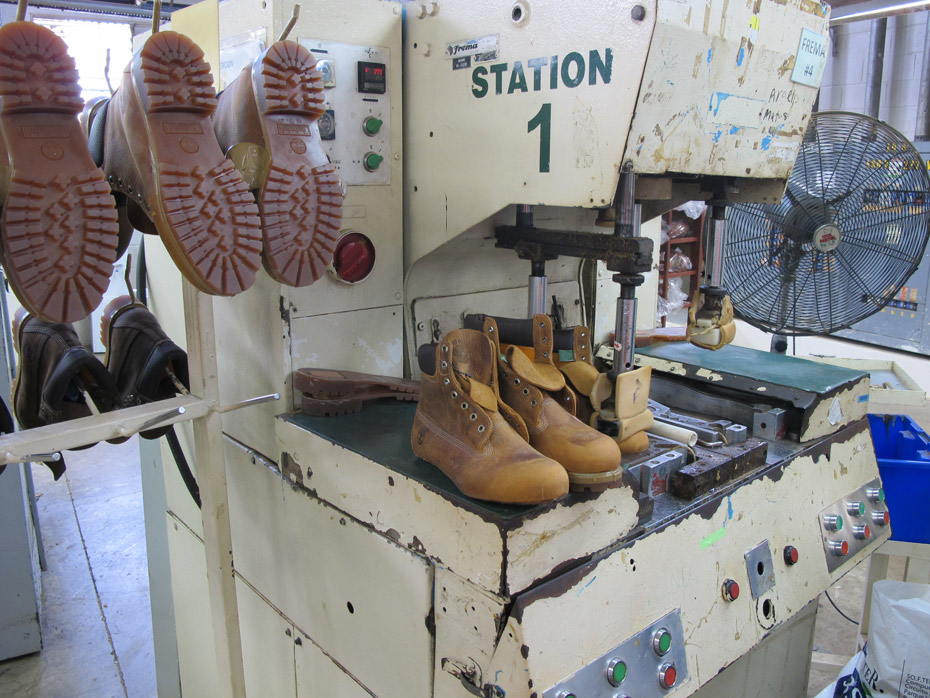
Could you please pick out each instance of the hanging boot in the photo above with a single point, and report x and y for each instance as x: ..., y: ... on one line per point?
x: 536, y: 390
x: 93, y: 121
x: 58, y: 225
x: 56, y: 375
x: 161, y: 153
x: 463, y: 429
x: 146, y: 365
x: 266, y: 123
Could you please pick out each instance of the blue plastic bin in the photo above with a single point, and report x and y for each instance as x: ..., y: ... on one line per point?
x: 903, y: 452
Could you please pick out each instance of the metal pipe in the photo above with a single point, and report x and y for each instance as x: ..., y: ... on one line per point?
x: 626, y: 224
x: 922, y: 132
x: 537, y: 298
x: 716, y: 246
x: 877, y: 11
x: 873, y: 77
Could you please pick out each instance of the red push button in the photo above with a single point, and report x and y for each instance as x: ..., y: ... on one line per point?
x: 354, y: 257
x: 791, y: 555
x: 862, y: 532
x: 839, y: 548
x: 730, y: 590
x: 668, y: 675
x: 880, y: 518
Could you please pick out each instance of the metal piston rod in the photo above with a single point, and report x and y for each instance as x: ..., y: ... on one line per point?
x: 626, y: 225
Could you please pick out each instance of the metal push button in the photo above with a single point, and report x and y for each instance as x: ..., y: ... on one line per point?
x: 855, y: 508
x: 616, y: 671
x: 791, y: 555
x: 881, y: 518
x: 876, y: 495
x: 730, y: 590
x: 840, y: 548
x: 668, y: 675
x: 833, y: 522
x: 862, y: 532
x: 662, y: 641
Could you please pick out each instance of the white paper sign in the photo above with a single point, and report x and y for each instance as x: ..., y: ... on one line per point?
x: 811, y: 59
x: 236, y: 52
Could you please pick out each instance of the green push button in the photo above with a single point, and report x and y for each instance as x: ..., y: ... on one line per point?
x: 372, y: 161
x: 662, y: 641
x: 372, y: 125
x: 617, y: 672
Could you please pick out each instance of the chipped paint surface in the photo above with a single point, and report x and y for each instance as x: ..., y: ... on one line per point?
x: 709, y: 375
x: 663, y: 366
x: 631, y: 588
x: 733, y: 110
x: 845, y: 408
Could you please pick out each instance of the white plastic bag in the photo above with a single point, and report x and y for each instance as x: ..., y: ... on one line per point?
x: 895, y: 662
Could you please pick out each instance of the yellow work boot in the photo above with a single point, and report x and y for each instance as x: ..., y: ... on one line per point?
x: 462, y: 428
x: 266, y: 124
x: 536, y: 390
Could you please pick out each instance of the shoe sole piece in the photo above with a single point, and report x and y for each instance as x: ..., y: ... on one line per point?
x: 594, y: 482
x: 330, y: 393
x: 300, y: 203
x: 59, y: 227
x: 204, y: 212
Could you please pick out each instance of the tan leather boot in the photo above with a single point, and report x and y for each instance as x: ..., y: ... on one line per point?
x: 59, y: 230
x: 463, y: 429
x: 266, y: 123
x: 536, y: 391
x: 161, y: 153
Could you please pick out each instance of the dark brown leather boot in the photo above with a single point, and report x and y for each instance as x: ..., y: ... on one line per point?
x: 463, y: 429
x: 266, y: 123
x: 59, y: 230
x: 54, y: 371
x: 141, y: 357
x: 536, y: 390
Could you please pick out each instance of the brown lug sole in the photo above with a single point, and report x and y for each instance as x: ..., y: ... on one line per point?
x: 331, y: 393
x: 300, y: 202
x: 59, y: 228
x: 202, y: 209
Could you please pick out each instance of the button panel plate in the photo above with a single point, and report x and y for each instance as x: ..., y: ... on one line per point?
x: 846, y: 533
x: 642, y: 666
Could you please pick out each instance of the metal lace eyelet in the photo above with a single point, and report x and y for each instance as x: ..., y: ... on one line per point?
x: 473, y: 416
x: 446, y: 381
x: 526, y: 391
x: 490, y: 330
x: 533, y: 403
x: 545, y: 339
x: 568, y: 399
x: 516, y: 381
x: 445, y: 348
x: 454, y: 394
x: 583, y: 346
x: 445, y: 364
x: 545, y: 354
x: 542, y: 324
x: 480, y: 428
x: 582, y: 334
x: 464, y: 405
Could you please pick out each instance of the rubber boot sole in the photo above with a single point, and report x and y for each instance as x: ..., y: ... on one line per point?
x: 59, y: 227
x: 330, y: 393
x: 300, y: 203
x: 202, y: 209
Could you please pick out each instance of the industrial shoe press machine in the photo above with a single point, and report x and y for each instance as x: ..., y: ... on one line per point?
x: 327, y: 559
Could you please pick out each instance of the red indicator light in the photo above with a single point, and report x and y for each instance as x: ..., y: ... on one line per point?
x: 730, y: 590
x: 668, y: 675
x: 791, y: 555
x: 354, y: 257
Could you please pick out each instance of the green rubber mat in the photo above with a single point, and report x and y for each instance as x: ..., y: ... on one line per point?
x: 761, y: 366
x: 381, y: 433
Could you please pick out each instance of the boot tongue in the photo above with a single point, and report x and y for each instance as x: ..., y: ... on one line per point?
x: 544, y: 376
x: 475, y: 367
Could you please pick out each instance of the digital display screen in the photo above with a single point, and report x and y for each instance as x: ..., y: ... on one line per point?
x: 372, y: 78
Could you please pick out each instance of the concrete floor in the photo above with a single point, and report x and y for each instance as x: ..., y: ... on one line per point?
x: 95, y: 613
x: 96, y: 620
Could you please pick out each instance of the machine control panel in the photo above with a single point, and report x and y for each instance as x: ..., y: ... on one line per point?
x: 850, y: 524
x: 356, y: 125
x: 647, y: 665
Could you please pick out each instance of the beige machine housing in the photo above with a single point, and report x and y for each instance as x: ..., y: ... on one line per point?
x: 357, y: 575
